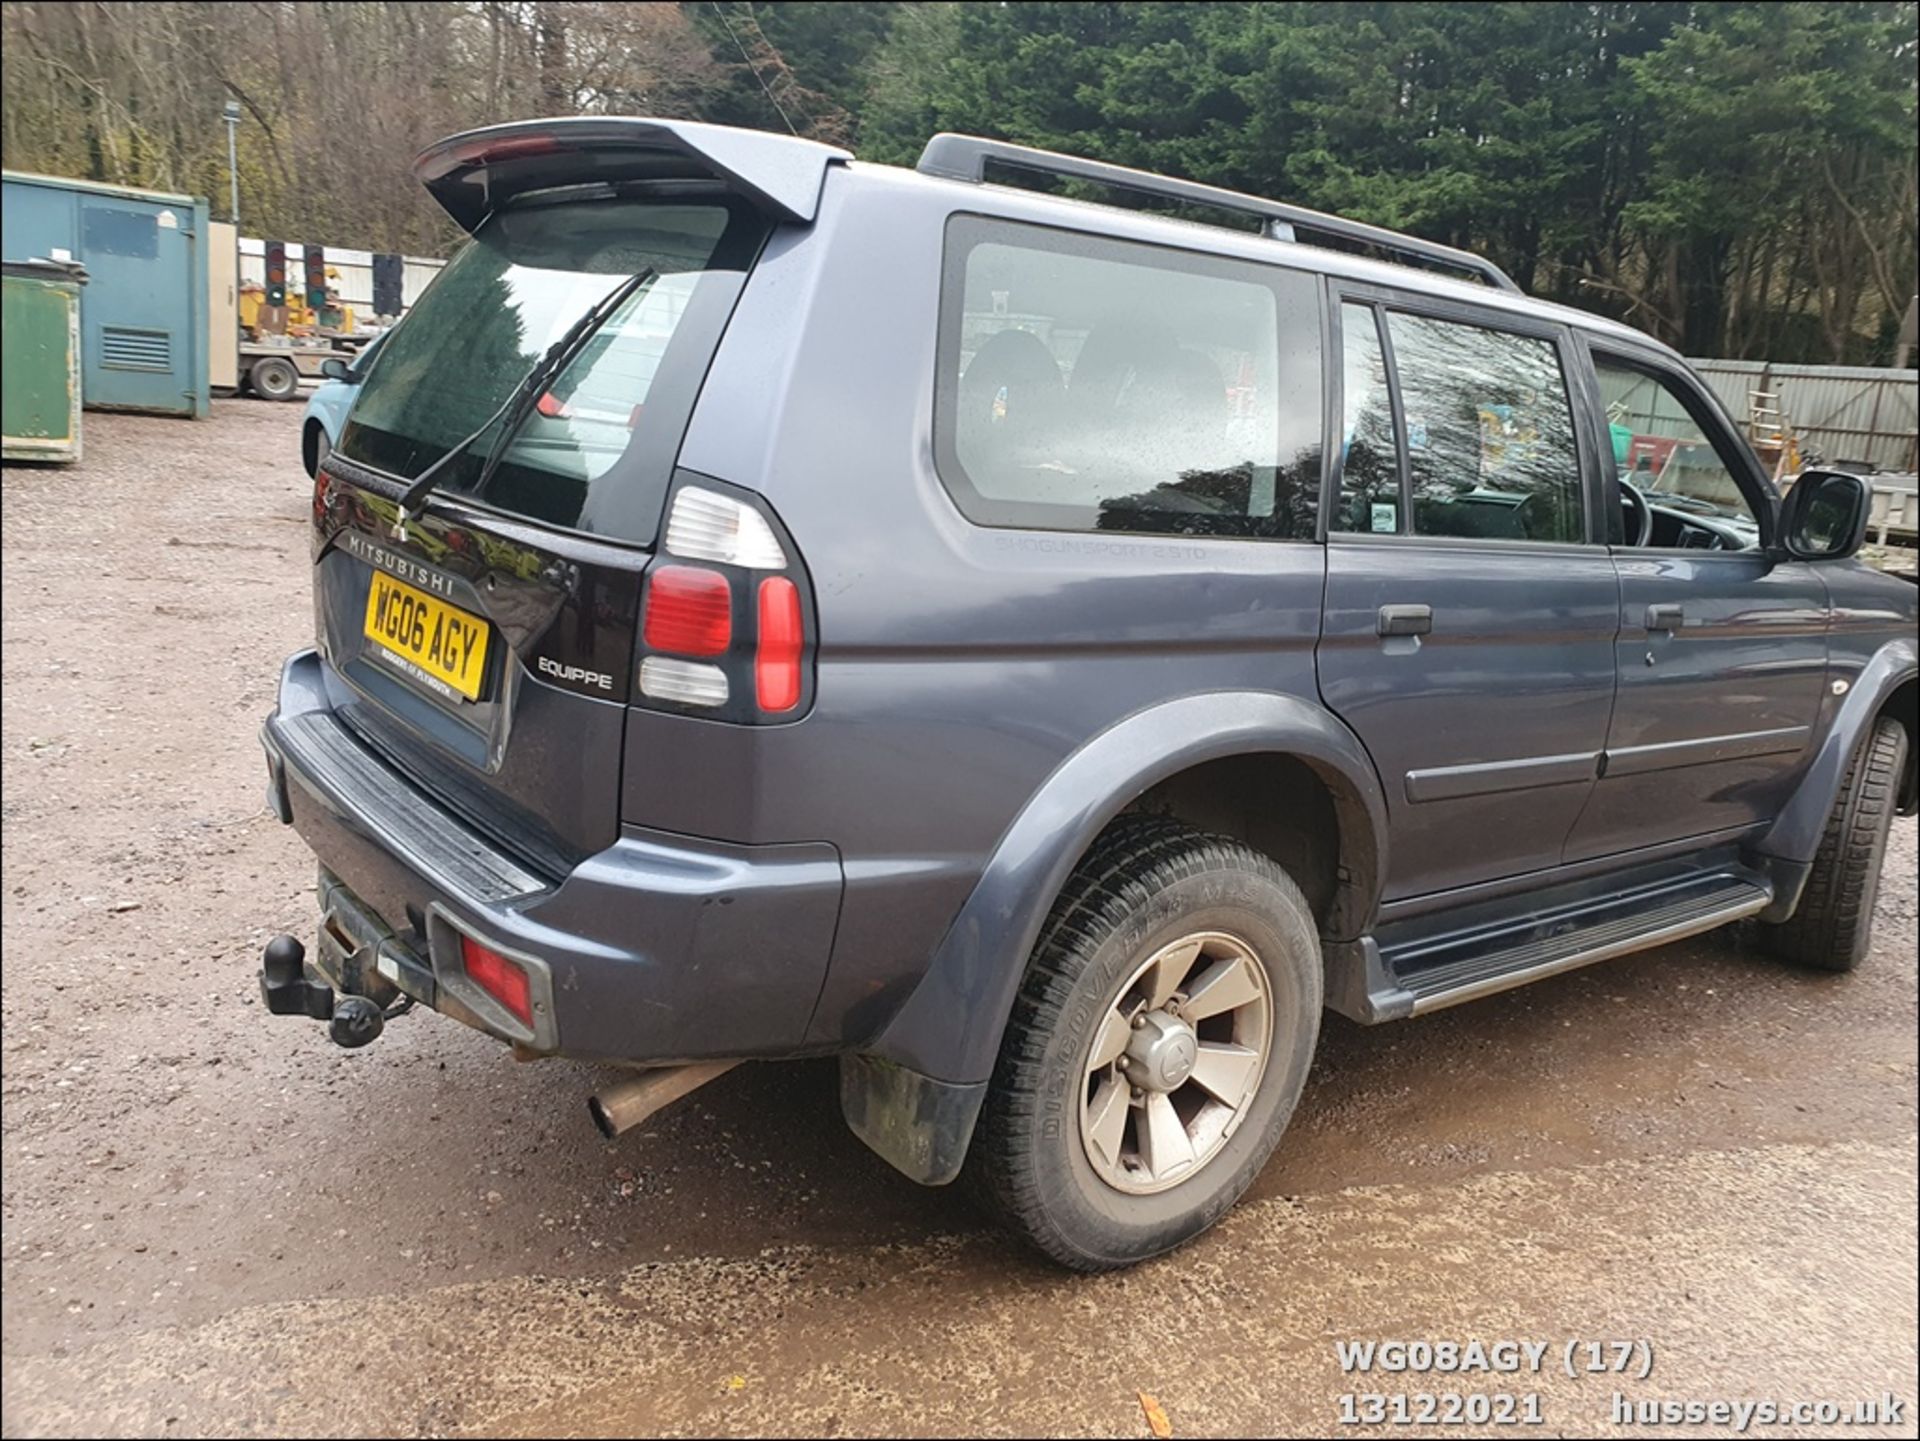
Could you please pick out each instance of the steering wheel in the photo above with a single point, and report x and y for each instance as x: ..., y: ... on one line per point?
x: 1636, y: 503
x: 1523, y: 516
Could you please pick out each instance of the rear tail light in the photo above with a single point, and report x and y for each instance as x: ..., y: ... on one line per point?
x: 705, y: 525
x: 689, y: 611
x: 499, y: 978
x: 776, y: 664
x: 725, y: 637
x: 684, y: 681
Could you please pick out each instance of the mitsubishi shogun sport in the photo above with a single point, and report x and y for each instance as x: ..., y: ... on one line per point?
x: 1040, y: 653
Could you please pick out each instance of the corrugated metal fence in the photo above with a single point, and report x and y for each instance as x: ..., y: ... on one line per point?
x: 355, y: 267
x: 1848, y: 413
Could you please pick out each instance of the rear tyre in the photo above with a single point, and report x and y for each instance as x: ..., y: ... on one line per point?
x: 1156, y: 1049
x: 273, y: 378
x: 1833, y: 925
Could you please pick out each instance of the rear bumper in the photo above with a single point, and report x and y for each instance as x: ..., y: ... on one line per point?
x: 660, y: 948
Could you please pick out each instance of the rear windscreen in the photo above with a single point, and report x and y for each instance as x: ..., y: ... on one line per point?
x: 596, y: 450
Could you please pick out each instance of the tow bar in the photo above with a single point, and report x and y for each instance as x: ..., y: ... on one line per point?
x: 352, y: 1021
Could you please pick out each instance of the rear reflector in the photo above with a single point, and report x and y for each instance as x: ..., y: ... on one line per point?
x: 685, y: 681
x: 704, y: 525
x: 689, y: 611
x: 498, y: 977
x: 776, y: 664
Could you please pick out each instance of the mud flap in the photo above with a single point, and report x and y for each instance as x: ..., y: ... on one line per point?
x: 919, y: 1126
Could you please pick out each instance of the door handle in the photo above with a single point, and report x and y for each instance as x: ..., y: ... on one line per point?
x: 1666, y: 617
x: 1406, y: 619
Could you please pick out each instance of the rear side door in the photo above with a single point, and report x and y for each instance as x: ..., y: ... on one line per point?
x: 1723, y: 646
x: 1471, y: 603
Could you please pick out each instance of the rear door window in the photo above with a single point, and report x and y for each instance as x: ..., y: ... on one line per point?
x: 1491, y: 451
x: 1098, y: 385
x: 606, y: 428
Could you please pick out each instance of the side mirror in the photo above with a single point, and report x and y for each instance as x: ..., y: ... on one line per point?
x: 1824, y: 516
x: 335, y: 369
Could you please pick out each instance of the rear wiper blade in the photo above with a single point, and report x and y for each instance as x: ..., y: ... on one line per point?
x: 513, y: 410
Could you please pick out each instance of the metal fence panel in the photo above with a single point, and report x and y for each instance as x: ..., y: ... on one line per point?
x: 1852, y: 413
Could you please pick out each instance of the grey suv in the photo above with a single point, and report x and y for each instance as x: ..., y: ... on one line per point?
x: 1040, y: 653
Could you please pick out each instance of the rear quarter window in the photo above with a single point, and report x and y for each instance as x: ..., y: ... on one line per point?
x: 1097, y: 385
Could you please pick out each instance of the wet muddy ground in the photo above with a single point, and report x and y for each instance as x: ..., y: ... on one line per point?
x: 215, y: 1222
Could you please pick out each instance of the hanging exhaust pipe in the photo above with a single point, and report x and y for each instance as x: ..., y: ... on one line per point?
x: 625, y: 1104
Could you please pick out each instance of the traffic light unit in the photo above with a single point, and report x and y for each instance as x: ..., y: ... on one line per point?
x: 276, y: 272
x: 316, y: 264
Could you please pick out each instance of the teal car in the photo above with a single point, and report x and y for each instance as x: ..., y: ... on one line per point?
x: 327, y: 407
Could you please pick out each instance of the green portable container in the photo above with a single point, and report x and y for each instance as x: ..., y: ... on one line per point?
x: 40, y: 382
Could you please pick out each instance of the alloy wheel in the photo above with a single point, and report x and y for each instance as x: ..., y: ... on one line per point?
x: 1175, y: 1062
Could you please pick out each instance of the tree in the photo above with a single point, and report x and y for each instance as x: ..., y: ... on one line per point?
x: 1738, y: 178
x: 1784, y: 128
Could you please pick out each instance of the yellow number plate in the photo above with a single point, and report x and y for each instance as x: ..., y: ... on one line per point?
x: 438, y: 643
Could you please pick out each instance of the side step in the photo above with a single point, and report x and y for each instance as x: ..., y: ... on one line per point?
x: 1440, y: 960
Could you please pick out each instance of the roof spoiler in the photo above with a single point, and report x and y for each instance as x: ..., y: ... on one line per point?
x: 475, y: 172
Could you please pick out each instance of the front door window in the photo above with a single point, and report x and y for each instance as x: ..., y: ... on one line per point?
x: 1664, y: 452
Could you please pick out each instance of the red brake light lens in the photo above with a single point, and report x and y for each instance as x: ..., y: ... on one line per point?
x: 776, y: 664
x: 492, y: 152
x: 498, y: 977
x: 689, y: 611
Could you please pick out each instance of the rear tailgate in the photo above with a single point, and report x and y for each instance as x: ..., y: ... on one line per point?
x: 532, y: 756
x: 487, y: 646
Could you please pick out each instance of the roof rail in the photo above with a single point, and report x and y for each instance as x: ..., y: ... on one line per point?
x: 966, y: 157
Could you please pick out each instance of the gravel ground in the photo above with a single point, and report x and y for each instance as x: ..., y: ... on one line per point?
x: 214, y: 1222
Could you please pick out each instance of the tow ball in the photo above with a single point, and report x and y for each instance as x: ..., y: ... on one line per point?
x: 352, y: 1021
